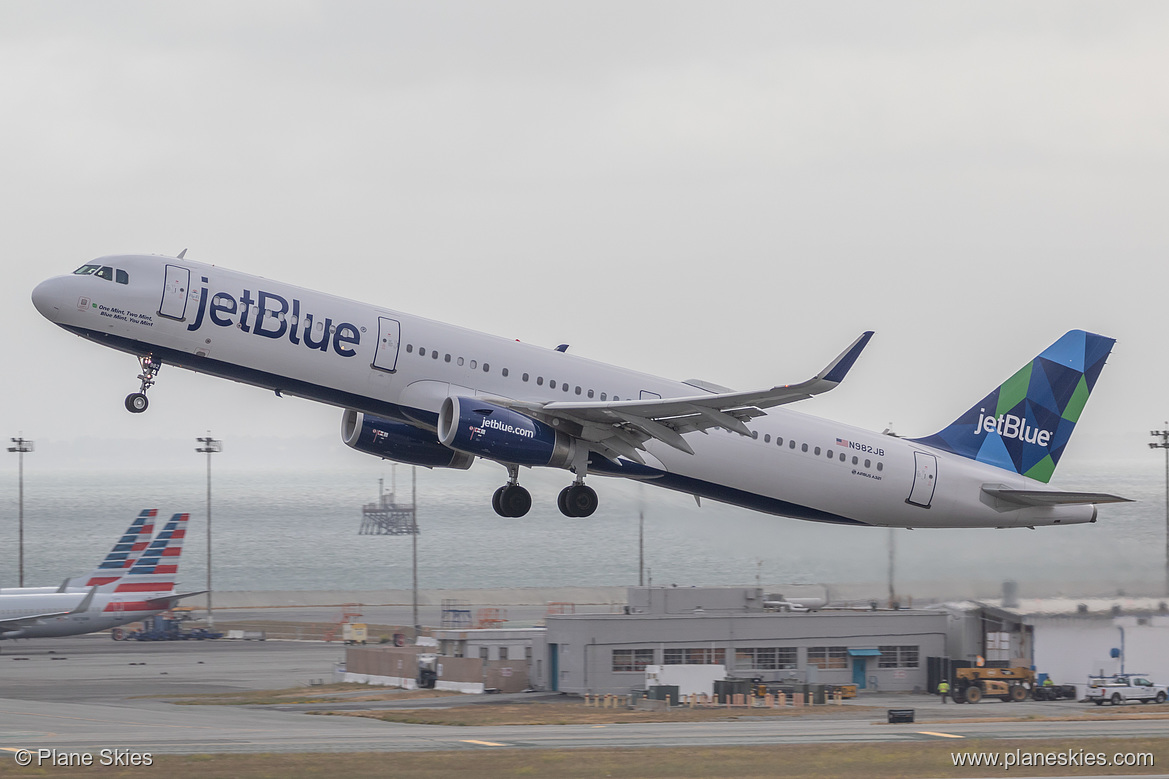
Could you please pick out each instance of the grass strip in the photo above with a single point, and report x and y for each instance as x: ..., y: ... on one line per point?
x: 795, y: 761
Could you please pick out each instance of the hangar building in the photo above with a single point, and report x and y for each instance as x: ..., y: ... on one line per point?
x: 740, y: 629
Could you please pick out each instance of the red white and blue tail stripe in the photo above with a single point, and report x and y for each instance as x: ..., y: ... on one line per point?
x: 156, y: 568
x: 125, y: 552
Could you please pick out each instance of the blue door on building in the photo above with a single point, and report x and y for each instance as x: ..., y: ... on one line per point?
x: 860, y: 664
x: 858, y: 672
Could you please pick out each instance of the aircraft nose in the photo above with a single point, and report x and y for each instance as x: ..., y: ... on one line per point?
x: 46, y: 298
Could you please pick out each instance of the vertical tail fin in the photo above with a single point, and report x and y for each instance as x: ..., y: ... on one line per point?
x: 1024, y: 424
x: 132, y: 543
x: 156, y: 569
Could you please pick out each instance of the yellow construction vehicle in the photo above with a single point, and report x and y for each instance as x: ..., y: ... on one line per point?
x: 1009, y: 684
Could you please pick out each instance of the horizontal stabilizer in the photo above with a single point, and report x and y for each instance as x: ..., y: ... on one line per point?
x: 161, y: 598
x: 1049, y: 497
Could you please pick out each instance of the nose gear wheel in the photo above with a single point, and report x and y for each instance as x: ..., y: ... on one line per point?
x: 136, y: 402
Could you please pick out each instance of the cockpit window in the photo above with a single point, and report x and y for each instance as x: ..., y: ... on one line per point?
x: 104, y: 272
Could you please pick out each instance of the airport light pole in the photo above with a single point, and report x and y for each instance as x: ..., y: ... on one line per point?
x: 209, y: 446
x: 1163, y: 443
x: 414, y: 537
x: 22, y: 445
x: 641, y: 549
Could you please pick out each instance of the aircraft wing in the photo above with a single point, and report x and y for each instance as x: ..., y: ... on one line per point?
x: 164, y: 598
x: 1049, y: 497
x: 19, y: 623
x: 622, y: 427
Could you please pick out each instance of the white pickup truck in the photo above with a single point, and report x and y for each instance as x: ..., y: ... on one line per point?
x: 1121, y: 688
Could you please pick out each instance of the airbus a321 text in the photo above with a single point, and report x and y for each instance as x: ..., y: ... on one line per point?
x: 419, y: 391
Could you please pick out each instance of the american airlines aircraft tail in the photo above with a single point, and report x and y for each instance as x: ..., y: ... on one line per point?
x: 127, y: 549
x: 147, y: 588
x: 118, y: 562
x: 427, y: 393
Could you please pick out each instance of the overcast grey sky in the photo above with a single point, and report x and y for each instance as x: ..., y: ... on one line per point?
x: 723, y: 191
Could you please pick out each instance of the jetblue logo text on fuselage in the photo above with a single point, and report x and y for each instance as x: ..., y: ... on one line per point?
x: 273, y: 322
x: 503, y: 427
x: 1011, y: 426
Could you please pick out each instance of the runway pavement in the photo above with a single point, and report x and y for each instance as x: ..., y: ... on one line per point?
x: 84, y: 693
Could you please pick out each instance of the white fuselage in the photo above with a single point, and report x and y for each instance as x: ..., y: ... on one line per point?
x: 104, y: 612
x: 328, y: 349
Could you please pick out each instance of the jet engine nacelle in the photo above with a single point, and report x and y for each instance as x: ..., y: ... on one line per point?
x: 487, y: 430
x: 399, y: 441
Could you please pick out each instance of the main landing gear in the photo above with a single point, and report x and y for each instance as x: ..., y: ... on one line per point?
x: 136, y: 402
x: 577, y: 500
x: 511, y: 500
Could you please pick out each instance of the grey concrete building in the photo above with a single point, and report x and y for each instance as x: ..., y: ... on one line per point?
x: 741, y: 630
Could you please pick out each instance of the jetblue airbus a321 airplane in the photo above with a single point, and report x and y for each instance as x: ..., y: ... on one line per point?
x: 427, y: 393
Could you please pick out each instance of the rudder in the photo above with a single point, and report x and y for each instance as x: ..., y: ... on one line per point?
x: 1024, y: 425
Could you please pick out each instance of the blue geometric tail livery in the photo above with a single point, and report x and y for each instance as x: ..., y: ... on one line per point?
x: 1024, y: 424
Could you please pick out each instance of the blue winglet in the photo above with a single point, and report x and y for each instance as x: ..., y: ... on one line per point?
x: 839, y: 369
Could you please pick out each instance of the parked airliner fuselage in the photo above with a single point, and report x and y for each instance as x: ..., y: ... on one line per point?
x: 104, y: 611
x: 389, y: 364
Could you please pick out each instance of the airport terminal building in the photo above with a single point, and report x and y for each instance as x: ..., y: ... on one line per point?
x: 737, y: 627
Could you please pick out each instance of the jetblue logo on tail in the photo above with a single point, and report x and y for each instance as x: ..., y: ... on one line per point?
x: 1011, y: 426
x: 1025, y: 423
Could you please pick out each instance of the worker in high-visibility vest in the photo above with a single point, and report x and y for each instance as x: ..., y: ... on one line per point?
x: 1048, y: 683
x: 944, y: 690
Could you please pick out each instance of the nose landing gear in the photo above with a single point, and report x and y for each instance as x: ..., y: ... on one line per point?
x: 136, y: 402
